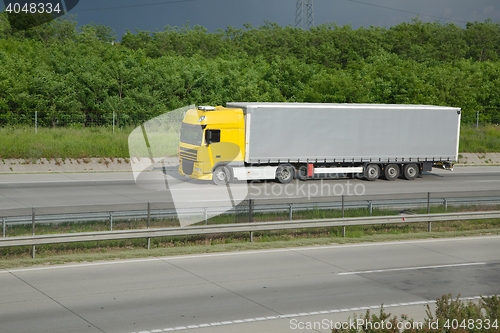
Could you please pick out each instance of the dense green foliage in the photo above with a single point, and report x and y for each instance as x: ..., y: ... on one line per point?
x: 72, y: 75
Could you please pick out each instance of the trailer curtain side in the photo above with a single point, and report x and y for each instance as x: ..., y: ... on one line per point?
x: 301, y: 132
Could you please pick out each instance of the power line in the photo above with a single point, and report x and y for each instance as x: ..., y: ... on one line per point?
x: 406, y: 11
x: 132, y: 6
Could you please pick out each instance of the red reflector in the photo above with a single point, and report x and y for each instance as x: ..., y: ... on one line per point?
x: 310, y: 170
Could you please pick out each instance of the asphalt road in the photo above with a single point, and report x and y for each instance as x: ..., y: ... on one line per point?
x: 244, y: 289
x: 113, y: 191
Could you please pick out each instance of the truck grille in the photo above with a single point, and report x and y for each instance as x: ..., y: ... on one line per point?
x: 187, y: 167
x: 189, y: 154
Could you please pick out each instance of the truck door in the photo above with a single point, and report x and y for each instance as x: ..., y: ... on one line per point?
x: 223, y: 147
x: 212, y: 139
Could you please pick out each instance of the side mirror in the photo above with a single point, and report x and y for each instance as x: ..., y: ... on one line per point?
x: 208, y: 137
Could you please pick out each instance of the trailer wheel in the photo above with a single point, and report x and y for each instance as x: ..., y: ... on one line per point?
x: 285, y: 173
x: 372, y: 172
x: 391, y: 172
x: 221, y: 175
x: 410, y: 171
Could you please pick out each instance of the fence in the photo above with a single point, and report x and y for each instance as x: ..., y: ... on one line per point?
x: 111, y: 119
x: 53, y: 119
x: 247, y: 209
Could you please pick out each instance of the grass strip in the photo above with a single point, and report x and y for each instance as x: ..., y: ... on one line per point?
x: 93, y: 251
x: 101, y: 142
x: 24, y: 143
x: 484, y: 139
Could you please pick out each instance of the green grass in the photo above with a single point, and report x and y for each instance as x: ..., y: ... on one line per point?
x: 160, y: 247
x: 23, y: 143
x: 485, y: 139
x: 50, y: 143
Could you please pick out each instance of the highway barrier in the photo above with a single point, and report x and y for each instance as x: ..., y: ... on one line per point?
x: 246, y: 209
x: 240, y: 227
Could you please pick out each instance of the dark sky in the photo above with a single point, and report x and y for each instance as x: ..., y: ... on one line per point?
x: 154, y: 15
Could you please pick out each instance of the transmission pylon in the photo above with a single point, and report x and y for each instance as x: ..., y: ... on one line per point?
x: 304, y: 14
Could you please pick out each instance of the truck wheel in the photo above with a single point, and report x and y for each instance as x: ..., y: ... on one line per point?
x: 301, y: 173
x: 410, y: 171
x: 285, y: 173
x: 372, y: 172
x: 221, y: 175
x: 391, y: 172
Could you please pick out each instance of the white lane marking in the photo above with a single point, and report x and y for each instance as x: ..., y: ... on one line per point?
x: 483, y: 181
x: 304, y: 314
x: 411, y: 268
x: 212, y: 255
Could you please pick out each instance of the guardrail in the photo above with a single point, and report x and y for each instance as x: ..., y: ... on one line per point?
x: 147, y: 211
x: 240, y: 227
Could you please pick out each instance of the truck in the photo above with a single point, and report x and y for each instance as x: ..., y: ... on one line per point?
x: 286, y: 141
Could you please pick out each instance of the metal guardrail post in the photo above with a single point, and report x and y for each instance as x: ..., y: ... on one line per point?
x: 206, y: 215
x: 343, y: 215
x: 111, y: 221
x: 251, y: 204
x: 149, y: 213
x: 3, y: 227
x: 290, y: 211
x: 33, y: 220
x: 370, y: 207
x: 445, y: 204
x: 33, y: 230
x: 343, y: 204
x: 148, y: 222
x: 428, y: 202
x: 429, y: 224
x: 251, y: 236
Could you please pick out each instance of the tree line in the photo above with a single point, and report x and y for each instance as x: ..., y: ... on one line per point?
x: 76, y: 75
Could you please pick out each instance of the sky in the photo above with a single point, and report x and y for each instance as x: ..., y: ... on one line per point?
x: 154, y: 15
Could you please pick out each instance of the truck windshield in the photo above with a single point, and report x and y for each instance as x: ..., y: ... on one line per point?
x: 191, y: 134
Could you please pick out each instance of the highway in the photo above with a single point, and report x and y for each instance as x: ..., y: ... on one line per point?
x: 244, y: 291
x: 113, y: 191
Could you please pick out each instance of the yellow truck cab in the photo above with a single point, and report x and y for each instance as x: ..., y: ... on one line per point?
x: 211, y: 139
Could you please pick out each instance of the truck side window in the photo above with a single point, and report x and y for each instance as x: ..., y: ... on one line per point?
x: 215, y: 135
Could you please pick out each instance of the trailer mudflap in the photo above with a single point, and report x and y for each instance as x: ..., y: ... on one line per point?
x: 427, y: 167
